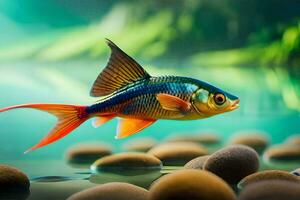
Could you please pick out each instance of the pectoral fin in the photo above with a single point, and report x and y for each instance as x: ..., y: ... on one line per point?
x: 128, y: 126
x: 173, y: 103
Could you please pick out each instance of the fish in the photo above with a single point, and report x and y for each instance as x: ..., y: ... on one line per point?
x: 125, y: 90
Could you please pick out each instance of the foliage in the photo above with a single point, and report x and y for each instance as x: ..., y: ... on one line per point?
x: 285, y: 51
x: 207, y: 32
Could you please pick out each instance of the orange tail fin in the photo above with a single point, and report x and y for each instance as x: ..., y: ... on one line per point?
x: 69, y: 118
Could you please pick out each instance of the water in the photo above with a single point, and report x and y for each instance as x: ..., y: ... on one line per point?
x: 29, y: 82
x: 262, y: 108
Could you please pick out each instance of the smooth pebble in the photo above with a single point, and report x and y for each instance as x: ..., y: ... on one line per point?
x: 87, y: 153
x: 14, y: 184
x: 271, y: 190
x: 268, y: 175
x: 190, y: 184
x: 12, y: 178
x: 139, y: 145
x: 127, y: 162
x: 293, y: 139
x: 112, y: 191
x: 284, y: 153
x: 258, y: 142
x: 233, y: 163
x: 196, y: 163
x: 203, y: 138
x: 177, y: 153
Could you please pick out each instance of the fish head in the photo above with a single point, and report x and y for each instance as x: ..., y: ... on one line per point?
x: 211, y: 101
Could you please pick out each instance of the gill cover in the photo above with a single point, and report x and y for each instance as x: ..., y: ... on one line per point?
x: 200, y: 101
x: 208, y: 103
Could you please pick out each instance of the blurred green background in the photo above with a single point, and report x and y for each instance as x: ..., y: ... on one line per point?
x: 53, y: 50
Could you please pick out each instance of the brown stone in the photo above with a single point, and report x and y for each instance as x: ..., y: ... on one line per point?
x: 177, y: 153
x: 271, y: 190
x: 14, y: 184
x: 12, y: 179
x: 283, y: 153
x: 203, y: 138
x: 139, y: 145
x: 112, y: 191
x: 196, y: 163
x: 127, y: 162
x: 293, y: 139
x: 268, y: 175
x: 258, y: 142
x: 87, y: 153
x: 190, y: 184
x: 233, y: 163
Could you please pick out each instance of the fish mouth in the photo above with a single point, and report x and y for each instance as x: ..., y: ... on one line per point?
x: 235, y: 104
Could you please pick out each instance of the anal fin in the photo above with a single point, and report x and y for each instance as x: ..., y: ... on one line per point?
x: 100, y: 120
x: 130, y: 126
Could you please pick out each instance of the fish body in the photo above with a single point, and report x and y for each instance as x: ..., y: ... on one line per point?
x: 127, y: 91
x: 139, y: 100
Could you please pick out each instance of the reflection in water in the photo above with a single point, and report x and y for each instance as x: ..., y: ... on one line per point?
x: 83, y: 173
x: 57, y: 190
x: 56, y: 178
x: 125, y: 171
x: 281, y: 165
x: 142, y: 180
x: 170, y: 169
x: 142, y: 177
x: 79, y: 165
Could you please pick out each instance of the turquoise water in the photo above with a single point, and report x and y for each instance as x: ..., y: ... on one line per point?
x: 262, y: 107
x: 54, y: 179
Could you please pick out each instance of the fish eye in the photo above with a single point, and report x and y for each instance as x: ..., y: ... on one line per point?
x: 219, y: 98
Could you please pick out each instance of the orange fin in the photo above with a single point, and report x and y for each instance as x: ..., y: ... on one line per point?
x: 173, y: 103
x: 130, y: 126
x: 120, y: 71
x: 69, y: 117
x: 99, y: 120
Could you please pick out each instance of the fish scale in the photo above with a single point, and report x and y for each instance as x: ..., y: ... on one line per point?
x: 139, y: 100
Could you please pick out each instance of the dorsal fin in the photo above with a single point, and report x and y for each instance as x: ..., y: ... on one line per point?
x: 120, y: 71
